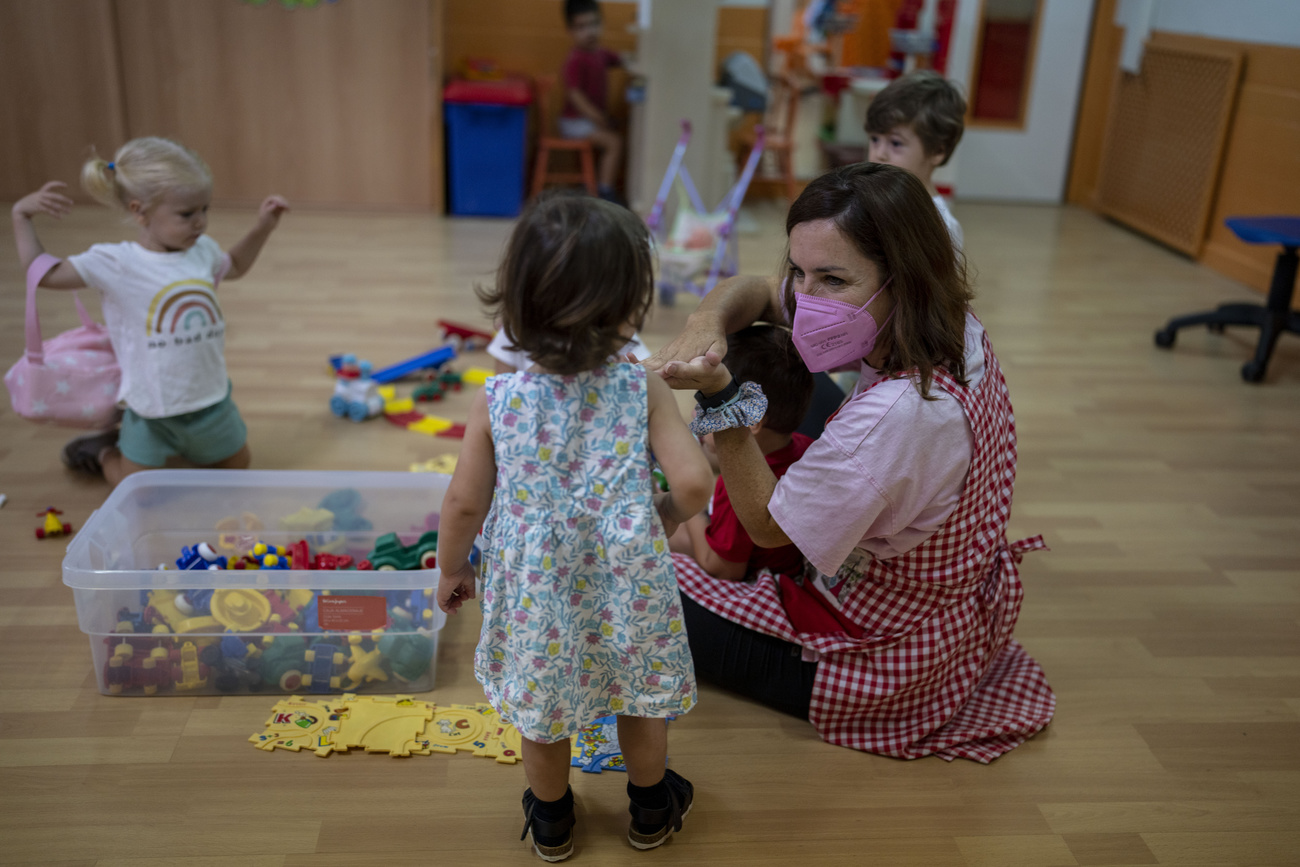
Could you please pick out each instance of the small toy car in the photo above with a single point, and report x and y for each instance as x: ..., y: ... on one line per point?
x: 322, y: 658
x: 356, y: 395
x: 391, y: 554
x: 463, y: 337
x: 53, y: 525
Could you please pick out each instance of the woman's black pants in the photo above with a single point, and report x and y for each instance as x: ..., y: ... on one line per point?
x: 757, y: 666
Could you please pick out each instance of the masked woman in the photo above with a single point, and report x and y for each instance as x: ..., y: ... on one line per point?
x: 897, y: 640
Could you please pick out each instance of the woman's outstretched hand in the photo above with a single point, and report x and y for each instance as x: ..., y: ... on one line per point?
x: 691, y: 359
x: 705, y: 373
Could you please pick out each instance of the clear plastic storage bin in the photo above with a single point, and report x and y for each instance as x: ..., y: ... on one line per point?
x: 205, y: 632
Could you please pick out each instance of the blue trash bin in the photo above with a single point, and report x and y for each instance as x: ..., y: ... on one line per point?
x: 487, y: 124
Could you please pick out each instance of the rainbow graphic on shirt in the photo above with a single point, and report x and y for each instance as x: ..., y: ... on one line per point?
x: 183, y: 308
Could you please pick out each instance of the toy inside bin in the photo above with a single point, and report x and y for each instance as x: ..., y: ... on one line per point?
x: 277, y: 630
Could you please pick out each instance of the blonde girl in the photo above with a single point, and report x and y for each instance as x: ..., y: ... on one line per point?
x: 160, y: 306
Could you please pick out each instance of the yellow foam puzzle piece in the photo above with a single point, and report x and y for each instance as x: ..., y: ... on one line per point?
x: 457, y: 727
x: 296, y: 724
x: 387, y: 392
x: 382, y: 724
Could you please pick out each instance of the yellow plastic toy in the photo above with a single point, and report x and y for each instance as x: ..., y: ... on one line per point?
x: 191, y: 675
x: 240, y: 610
x: 476, y: 376
x: 239, y: 534
x: 431, y: 425
x: 365, y: 663
x: 164, y: 602
x: 308, y: 520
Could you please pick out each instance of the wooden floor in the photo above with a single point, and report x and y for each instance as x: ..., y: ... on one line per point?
x: 1166, y: 614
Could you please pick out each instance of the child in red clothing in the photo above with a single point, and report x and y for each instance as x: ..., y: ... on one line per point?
x: 584, y: 86
x: 716, y: 539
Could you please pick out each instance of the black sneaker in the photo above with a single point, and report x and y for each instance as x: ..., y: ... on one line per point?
x: 552, y: 841
x: 82, y: 453
x: 650, y: 828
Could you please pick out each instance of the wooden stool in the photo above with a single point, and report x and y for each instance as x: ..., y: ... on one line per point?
x: 1272, y: 318
x: 547, y: 143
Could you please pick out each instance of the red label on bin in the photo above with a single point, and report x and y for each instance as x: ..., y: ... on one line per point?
x: 348, y: 613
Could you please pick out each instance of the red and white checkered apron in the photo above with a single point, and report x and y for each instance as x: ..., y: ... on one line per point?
x: 937, y: 671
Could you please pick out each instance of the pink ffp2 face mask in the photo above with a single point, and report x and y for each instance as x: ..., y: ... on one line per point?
x: 829, y: 333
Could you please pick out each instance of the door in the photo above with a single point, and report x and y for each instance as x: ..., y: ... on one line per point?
x: 1020, y: 64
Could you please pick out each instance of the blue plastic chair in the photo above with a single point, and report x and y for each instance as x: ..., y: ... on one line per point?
x: 1271, y: 318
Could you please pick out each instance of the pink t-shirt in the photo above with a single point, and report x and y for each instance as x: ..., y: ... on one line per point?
x: 585, y: 71
x: 885, y: 474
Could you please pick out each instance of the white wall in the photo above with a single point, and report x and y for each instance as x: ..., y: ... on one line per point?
x: 1029, y: 165
x: 1274, y: 22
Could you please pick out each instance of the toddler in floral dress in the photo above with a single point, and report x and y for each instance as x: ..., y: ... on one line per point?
x: 581, y: 613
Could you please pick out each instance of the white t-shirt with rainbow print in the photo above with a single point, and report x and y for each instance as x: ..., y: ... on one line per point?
x: 164, y: 321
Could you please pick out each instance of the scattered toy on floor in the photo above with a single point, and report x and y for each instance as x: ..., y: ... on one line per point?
x: 54, y: 526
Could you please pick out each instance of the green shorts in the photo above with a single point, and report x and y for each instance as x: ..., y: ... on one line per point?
x: 205, y: 436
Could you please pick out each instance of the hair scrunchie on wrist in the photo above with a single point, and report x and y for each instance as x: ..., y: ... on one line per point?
x: 746, y: 407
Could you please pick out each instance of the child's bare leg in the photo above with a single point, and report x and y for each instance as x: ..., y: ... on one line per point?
x: 238, y: 461
x: 118, y: 466
x: 547, y: 768
x: 611, y: 151
x: 645, y: 748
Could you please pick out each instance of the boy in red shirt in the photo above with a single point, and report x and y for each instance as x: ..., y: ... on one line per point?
x: 716, y: 539
x: 584, y: 87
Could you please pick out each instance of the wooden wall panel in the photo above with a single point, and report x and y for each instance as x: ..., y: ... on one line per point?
x: 327, y: 105
x: 60, y: 91
x: 1261, y: 164
x: 1259, y: 169
x: 528, y: 36
x: 742, y: 28
x: 523, y: 36
x: 1165, y: 140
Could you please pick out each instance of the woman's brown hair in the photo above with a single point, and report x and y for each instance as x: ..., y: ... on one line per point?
x: 886, y: 213
x: 576, y: 271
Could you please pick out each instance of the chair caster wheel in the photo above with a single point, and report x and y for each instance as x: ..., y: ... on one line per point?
x: 1165, y: 338
x: 1252, y: 371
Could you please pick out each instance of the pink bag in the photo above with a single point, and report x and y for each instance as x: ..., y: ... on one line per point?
x: 71, y: 380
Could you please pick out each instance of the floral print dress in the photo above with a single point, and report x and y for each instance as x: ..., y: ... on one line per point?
x: 581, y: 614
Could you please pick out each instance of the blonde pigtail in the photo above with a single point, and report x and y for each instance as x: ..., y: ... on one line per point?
x: 99, y: 179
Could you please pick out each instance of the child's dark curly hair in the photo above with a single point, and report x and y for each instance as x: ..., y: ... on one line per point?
x: 574, y: 8
x: 577, y: 272
x: 765, y: 354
